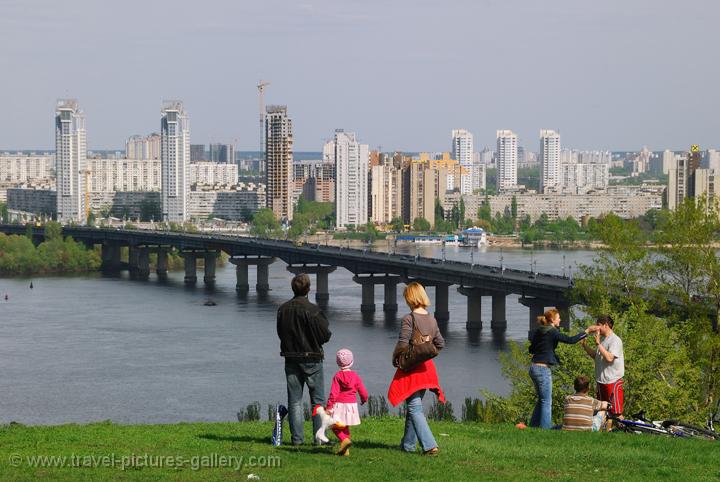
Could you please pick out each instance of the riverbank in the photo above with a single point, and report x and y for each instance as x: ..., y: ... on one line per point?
x: 214, y: 451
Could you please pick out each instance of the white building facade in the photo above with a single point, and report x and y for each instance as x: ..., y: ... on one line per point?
x: 207, y: 173
x: 549, y: 160
x: 462, y: 151
x: 139, y: 147
x: 507, y: 144
x: 175, y: 157
x: 70, y: 162
x: 351, y: 171
x: 115, y: 175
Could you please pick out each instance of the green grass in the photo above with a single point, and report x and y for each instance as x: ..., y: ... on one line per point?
x: 468, y: 452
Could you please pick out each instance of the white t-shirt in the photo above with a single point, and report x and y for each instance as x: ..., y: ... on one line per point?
x: 610, y: 372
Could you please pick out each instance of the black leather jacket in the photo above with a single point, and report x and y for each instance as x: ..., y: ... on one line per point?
x: 302, y: 328
x: 544, y: 341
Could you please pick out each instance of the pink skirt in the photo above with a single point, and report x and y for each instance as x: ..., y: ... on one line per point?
x: 346, y: 413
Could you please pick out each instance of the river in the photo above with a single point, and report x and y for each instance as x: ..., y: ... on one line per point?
x: 91, y: 347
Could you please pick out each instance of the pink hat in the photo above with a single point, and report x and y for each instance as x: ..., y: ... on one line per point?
x: 344, y: 358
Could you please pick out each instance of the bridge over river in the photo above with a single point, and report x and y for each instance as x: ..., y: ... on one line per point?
x: 536, y: 290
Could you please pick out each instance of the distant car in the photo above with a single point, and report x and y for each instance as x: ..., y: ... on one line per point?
x: 531, y: 276
x: 436, y: 261
x: 494, y: 270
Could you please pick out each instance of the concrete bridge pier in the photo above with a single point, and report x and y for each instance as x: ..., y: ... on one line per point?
x: 210, y: 262
x: 110, y: 255
x: 390, y: 305
x: 321, y: 272
x: 143, y: 264
x: 262, y: 284
x: 368, y: 292
x: 474, y: 307
x: 161, y: 267
x: 242, y: 284
x: 499, y: 318
x: 442, y: 311
x: 133, y: 261
x: 190, y: 267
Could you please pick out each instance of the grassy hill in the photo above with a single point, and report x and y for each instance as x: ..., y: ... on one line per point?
x: 213, y: 451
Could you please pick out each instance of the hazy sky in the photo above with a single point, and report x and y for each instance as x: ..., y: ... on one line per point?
x: 614, y: 74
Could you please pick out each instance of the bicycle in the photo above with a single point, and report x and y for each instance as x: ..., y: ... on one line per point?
x: 669, y: 427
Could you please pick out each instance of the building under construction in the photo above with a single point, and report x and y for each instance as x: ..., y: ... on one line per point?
x: 279, y: 162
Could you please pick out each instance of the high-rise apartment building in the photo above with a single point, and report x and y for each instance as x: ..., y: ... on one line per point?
x: 222, y: 153
x: 278, y: 161
x: 385, y: 193
x: 507, y: 144
x: 713, y: 160
x: 197, y: 152
x: 139, y: 147
x: 549, y: 160
x: 71, y: 168
x: 462, y: 151
x: 686, y: 179
x: 175, y: 157
x: 351, y: 176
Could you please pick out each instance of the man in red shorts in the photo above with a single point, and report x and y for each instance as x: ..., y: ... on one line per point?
x: 609, y: 364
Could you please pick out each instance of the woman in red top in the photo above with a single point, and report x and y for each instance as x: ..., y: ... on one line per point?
x: 411, y: 385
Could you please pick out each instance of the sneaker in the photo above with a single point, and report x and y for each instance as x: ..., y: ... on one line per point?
x: 344, y: 445
x: 347, y: 453
x: 432, y: 452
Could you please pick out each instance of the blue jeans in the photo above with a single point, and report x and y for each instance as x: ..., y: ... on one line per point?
x: 297, y: 375
x: 542, y: 379
x: 416, y: 426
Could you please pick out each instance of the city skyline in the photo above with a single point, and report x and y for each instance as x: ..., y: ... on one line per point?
x: 614, y: 85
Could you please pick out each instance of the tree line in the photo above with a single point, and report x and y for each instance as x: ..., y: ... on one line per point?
x: 663, y: 290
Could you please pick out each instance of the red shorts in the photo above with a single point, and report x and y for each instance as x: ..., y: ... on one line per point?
x: 613, y: 393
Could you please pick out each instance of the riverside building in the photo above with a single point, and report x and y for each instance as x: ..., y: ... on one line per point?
x: 175, y: 156
x: 279, y: 162
x: 71, y: 162
x: 351, y: 175
x: 507, y: 145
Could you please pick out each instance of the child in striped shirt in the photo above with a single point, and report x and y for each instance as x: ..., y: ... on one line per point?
x: 581, y: 409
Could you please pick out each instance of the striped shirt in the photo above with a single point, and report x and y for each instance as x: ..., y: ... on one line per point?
x: 579, y: 411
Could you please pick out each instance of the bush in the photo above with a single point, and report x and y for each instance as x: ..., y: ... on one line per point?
x: 441, y: 411
x: 377, y: 406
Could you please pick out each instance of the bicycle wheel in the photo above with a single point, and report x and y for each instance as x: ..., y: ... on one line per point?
x: 692, y: 431
x: 642, y: 429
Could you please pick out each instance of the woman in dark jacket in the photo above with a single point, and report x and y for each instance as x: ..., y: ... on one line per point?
x: 542, y: 346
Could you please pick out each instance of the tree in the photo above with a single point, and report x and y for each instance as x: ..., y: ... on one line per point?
x: 461, y: 212
x: 484, y: 211
x: 264, y: 223
x: 684, y: 238
x: 513, y: 208
x: 397, y: 225
x: 53, y: 230
x: 421, y: 225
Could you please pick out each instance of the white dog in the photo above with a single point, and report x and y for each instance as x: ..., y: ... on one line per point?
x: 326, y: 422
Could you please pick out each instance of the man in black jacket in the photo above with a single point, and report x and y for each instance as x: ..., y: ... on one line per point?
x: 302, y: 328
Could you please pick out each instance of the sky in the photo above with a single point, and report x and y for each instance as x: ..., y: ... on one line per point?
x: 611, y: 74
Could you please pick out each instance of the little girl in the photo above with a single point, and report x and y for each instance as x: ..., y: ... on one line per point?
x: 342, y: 402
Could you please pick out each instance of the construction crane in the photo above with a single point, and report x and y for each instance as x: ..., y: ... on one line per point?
x: 261, y: 90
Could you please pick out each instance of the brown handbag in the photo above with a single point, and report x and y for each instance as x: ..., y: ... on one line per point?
x: 421, y: 348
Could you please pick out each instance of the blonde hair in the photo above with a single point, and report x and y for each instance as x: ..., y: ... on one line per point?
x: 546, y: 318
x: 415, y: 296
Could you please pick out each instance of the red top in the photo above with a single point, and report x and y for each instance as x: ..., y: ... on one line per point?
x: 404, y: 384
x: 345, y: 384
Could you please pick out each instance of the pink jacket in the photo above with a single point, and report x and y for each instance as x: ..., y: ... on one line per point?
x: 345, y: 384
